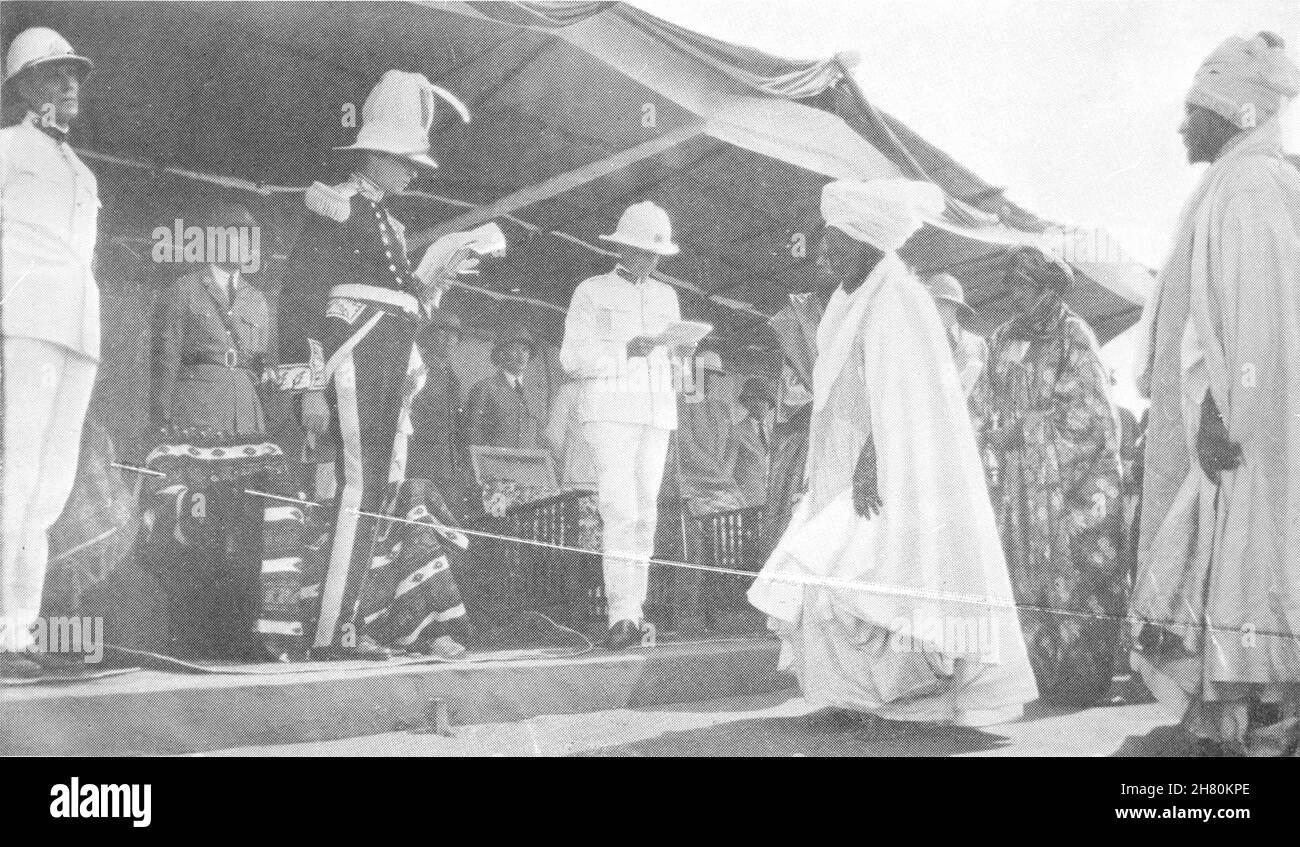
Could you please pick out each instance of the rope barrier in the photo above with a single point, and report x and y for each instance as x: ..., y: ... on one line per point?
x: 801, y: 579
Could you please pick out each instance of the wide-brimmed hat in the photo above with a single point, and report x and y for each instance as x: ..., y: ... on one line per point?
x: 947, y: 288
x: 646, y: 226
x: 398, y: 115
x: 509, y: 337
x: 38, y: 46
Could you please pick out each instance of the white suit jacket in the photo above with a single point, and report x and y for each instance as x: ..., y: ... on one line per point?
x: 607, y: 312
x: 50, y: 205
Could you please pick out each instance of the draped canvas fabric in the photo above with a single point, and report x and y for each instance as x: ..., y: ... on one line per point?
x: 774, y: 76
x: 1218, y: 564
x: 791, y: 78
x: 930, y: 561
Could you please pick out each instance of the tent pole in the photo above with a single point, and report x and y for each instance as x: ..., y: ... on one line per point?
x: 274, y: 190
x: 556, y: 185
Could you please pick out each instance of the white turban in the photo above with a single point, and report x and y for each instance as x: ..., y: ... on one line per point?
x: 883, y: 212
x: 1246, y: 80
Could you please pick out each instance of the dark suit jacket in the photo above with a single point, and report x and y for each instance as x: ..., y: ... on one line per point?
x: 752, y: 461
x: 499, y: 416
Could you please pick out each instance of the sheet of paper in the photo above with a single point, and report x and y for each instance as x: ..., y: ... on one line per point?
x: 443, y: 258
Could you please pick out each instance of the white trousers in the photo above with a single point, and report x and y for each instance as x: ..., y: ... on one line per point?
x: 629, y: 460
x: 46, y: 394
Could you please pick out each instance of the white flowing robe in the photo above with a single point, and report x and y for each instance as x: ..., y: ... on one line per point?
x: 1220, y: 565
x: 908, y: 614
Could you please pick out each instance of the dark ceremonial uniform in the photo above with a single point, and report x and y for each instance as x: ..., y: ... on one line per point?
x: 347, y: 322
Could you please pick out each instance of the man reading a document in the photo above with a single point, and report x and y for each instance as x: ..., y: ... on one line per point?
x: 616, y: 345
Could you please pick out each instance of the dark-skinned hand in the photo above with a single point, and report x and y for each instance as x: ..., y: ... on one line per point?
x: 1005, y: 438
x: 866, y: 487
x: 1216, y: 452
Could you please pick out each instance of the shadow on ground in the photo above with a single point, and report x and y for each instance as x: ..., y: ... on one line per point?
x: 818, y: 734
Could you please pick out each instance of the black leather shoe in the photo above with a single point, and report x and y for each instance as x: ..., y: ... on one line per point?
x: 623, y: 635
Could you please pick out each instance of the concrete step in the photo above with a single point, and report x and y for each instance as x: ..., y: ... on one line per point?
x: 154, y: 712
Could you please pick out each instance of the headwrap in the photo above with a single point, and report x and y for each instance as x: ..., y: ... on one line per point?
x: 1246, y: 80
x: 884, y: 212
x: 1044, y: 269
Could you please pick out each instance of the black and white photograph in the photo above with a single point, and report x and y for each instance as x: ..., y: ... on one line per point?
x: 783, y: 378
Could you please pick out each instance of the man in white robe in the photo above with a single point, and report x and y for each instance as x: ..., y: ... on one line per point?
x: 889, y: 588
x: 1217, y: 594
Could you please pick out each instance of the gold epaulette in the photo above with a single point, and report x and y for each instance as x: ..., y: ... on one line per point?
x: 333, y: 202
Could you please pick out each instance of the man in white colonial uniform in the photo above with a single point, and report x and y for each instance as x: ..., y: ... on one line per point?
x: 629, y: 405
x: 970, y: 352
x: 49, y: 318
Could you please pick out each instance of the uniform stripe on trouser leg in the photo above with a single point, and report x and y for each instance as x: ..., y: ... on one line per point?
x: 346, y: 519
x: 368, y: 385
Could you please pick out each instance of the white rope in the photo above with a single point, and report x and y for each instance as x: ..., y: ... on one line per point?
x: 798, y: 579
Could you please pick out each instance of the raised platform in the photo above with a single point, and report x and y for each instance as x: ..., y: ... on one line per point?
x: 151, y: 712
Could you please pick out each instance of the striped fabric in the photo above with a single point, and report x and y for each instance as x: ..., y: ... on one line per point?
x: 229, y: 559
x: 280, y: 624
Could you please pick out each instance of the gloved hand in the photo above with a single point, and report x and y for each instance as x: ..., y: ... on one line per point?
x: 866, y: 490
x: 469, y: 266
x: 1213, y: 448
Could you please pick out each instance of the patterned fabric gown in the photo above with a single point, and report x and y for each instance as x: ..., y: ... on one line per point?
x: 1057, y: 498
x: 410, y: 596
x: 229, y: 560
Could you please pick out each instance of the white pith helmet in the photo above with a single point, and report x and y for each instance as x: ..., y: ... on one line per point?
x: 38, y: 46
x: 646, y: 226
x: 398, y: 115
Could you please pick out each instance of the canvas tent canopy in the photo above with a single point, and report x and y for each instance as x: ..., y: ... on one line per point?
x: 580, y: 109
